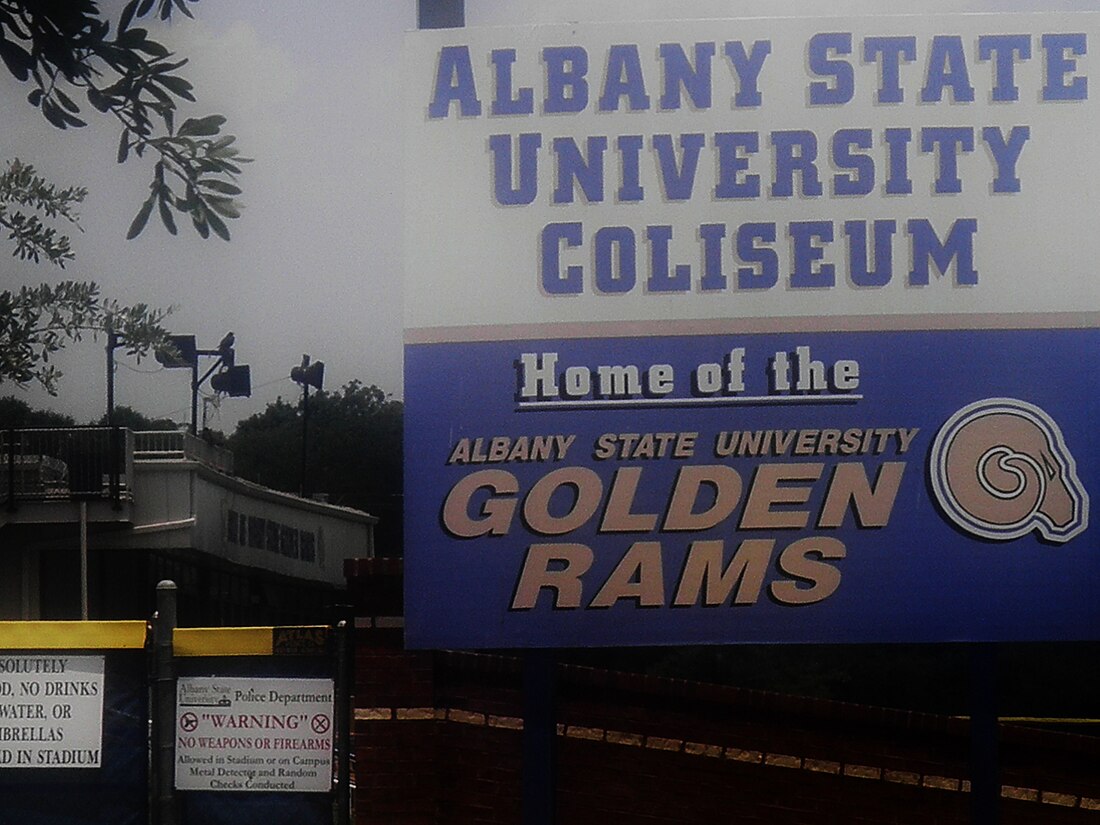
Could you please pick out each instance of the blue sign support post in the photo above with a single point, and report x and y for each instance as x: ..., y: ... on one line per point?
x: 539, y: 737
x: 985, y: 779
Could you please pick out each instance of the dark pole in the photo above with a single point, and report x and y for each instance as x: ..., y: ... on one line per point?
x: 164, y: 705
x: 112, y: 343
x: 197, y: 382
x: 345, y: 714
x: 540, y: 730
x: 114, y: 466
x: 113, y: 440
x: 305, y: 430
x: 11, y: 470
x: 307, y: 374
x: 194, y: 395
x: 985, y: 779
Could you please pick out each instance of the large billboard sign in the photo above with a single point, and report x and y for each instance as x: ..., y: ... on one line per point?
x: 752, y: 331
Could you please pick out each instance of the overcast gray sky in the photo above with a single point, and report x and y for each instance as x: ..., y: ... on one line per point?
x: 312, y: 92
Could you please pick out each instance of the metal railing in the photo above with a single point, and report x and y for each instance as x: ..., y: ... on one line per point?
x: 65, y: 463
x: 154, y: 445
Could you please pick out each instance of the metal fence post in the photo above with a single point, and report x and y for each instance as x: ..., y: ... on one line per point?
x: 164, y: 707
x: 344, y: 714
x: 11, y: 470
x: 114, y: 445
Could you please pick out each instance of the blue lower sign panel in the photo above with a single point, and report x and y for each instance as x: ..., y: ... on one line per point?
x: 888, y: 486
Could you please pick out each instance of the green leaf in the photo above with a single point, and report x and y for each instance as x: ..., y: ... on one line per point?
x: 178, y: 86
x: 73, y: 120
x: 164, y: 68
x: 123, y: 146
x: 183, y: 8
x: 18, y: 61
x: 152, y: 48
x: 218, y: 226
x: 220, y: 186
x: 188, y: 203
x: 127, y: 15
x: 140, y: 219
x: 160, y: 95
x: 53, y: 113
x: 166, y: 216
x: 200, y: 127
x: 198, y: 218
x: 98, y: 99
x: 224, y: 206
x: 131, y: 38
x: 66, y: 101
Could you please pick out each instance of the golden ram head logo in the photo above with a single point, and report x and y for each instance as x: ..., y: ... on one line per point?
x: 1000, y: 469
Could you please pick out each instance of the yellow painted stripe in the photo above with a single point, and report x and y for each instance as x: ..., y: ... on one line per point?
x: 1043, y: 720
x: 222, y: 641
x: 722, y: 326
x: 71, y: 635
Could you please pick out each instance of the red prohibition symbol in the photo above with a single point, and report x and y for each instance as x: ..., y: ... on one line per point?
x: 188, y: 722
x: 320, y: 723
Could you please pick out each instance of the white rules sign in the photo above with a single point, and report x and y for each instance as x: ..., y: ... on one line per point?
x: 254, y: 734
x: 51, y: 711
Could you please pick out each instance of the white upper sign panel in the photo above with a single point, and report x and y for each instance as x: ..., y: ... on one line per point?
x: 51, y: 711
x: 863, y: 170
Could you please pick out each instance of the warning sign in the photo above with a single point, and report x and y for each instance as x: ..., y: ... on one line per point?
x: 51, y: 711
x: 245, y: 734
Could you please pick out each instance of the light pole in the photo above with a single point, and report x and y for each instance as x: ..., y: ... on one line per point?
x: 113, y: 343
x: 307, y: 375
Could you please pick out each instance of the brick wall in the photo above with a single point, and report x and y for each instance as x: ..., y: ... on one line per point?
x: 439, y: 740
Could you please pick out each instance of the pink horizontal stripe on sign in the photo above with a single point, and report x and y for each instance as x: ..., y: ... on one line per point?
x: 724, y: 326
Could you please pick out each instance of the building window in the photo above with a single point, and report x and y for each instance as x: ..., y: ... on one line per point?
x: 289, y: 542
x: 232, y: 525
x: 273, y: 536
x: 256, y: 528
x: 307, y: 546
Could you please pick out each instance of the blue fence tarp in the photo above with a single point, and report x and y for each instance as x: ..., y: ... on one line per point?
x: 117, y: 792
